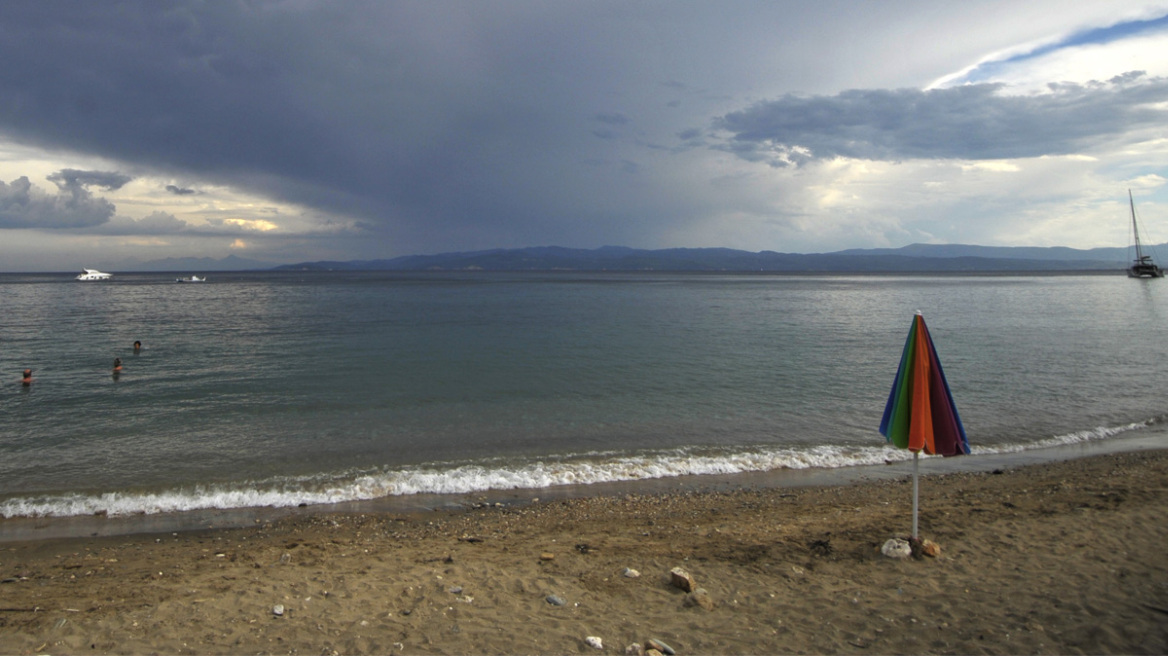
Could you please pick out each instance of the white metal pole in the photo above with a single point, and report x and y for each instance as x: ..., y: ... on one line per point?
x: 916, y: 489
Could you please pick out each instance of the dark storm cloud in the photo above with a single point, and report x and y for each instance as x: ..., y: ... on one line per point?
x: 72, y: 178
x: 965, y: 122
x: 612, y: 118
x: 155, y: 223
x: 376, y: 110
x: 24, y: 206
x: 180, y: 191
x: 426, y: 120
x: 484, y: 124
x: 611, y: 121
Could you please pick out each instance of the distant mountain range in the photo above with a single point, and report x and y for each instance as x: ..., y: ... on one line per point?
x: 196, y: 264
x: 912, y: 258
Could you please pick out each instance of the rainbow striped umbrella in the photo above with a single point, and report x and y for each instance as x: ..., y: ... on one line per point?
x: 920, y: 414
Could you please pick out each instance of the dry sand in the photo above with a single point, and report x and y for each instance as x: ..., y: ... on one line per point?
x: 1061, y: 558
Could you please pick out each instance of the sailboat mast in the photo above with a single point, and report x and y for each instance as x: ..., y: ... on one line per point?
x: 1135, y: 230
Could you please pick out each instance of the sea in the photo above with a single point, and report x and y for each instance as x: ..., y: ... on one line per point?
x: 292, y: 389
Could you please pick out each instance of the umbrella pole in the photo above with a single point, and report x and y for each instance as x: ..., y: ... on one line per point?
x: 916, y: 489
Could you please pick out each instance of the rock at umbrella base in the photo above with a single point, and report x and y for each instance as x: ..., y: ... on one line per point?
x: 896, y: 548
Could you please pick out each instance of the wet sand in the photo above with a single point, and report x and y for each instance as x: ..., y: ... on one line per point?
x: 1056, y: 558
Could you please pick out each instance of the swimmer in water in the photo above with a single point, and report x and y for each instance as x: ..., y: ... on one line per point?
x: 117, y: 366
x: 27, y: 379
x: 137, y: 346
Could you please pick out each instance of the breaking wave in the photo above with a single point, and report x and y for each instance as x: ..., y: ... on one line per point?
x: 1078, y: 437
x: 478, y: 477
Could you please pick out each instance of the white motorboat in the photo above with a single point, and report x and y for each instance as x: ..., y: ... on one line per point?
x: 93, y: 274
x: 191, y: 279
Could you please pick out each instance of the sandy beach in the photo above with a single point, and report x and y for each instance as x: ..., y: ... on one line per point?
x: 1060, y: 558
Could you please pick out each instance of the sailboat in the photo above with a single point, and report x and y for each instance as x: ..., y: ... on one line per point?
x: 1142, y: 266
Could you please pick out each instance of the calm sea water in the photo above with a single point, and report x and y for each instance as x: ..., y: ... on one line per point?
x: 278, y: 389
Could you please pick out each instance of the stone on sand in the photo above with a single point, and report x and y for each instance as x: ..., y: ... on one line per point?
x: 654, y: 644
x: 700, y: 598
x: 896, y: 548
x: 682, y: 579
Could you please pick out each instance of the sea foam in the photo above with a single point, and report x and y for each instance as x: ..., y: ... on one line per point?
x: 465, y: 478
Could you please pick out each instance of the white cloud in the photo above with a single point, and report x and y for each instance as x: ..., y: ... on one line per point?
x: 255, y: 225
x: 22, y: 205
x: 157, y: 223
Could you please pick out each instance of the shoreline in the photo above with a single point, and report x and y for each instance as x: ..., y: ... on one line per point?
x: 1050, y: 558
x: 20, y: 529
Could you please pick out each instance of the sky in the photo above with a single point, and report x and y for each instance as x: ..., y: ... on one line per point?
x: 292, y: 131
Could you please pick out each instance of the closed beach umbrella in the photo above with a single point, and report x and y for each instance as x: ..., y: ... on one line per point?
x: 920, y: 414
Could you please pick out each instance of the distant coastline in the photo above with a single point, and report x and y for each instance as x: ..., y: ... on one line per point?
x: 914, y: 258
x: 920, y: 258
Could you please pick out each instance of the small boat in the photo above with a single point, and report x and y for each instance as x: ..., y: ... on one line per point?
x: 191, y: 279
x: 93, y: 274
x: 1142, y: 266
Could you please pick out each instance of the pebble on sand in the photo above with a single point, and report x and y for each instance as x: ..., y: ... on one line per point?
x: 594, y: 642
x: 682, y: 579
x: 656, y: 644
x: 700, y: 598
x: 896, y: 548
